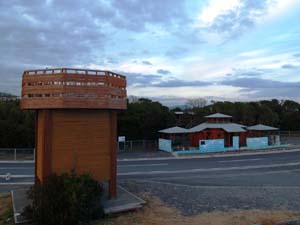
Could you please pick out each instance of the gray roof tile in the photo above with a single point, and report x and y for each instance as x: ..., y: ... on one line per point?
x: 218, y: 115
x: 174, y: 130
x: 228, y: 127
x: 261, y: 127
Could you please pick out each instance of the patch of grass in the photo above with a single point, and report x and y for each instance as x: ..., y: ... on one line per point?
x: 6, y: 211
x: 155, y: 212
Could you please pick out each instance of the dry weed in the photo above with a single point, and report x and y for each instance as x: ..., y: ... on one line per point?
x: 155, y: 212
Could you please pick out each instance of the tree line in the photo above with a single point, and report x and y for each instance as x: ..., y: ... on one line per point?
x: 284, y: 114
x: 144, y: 117
x: 16, y: 126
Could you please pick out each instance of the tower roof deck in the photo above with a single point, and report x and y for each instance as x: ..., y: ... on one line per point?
x: 73, y: 88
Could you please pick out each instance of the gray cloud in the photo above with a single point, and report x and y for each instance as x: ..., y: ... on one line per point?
x: 134, y: 15
x: 150, y: 80
x: 164, y: 72
x: 238, y: 73
x: 38, y: 34
x: 234, y: 23
x: 297, y: 55
x: 35, y: 35
x: 181, y: 83
x: 147, y: 63
x: 243, y: 74
x: 258, y: 87
x: 142, y: 80
x: 176, y: 52
x: 289, y: 66
x: 260, y: 83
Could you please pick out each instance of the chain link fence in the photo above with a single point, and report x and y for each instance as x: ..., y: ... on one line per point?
x: 290, y: 137
x: 17, y: 154
x: 14, y: 154
x: 138, y: 145
x: 290, y: 133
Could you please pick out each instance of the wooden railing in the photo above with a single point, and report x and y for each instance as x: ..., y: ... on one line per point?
x: 73, y: 71
x: 73, y: 88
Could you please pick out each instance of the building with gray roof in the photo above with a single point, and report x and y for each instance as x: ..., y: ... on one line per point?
x: 219, y: 133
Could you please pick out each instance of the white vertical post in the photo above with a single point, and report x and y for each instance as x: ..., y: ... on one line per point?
x: 15, y: 154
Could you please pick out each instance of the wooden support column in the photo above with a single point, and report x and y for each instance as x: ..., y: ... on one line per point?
x: 47, y: 156
x: 44, y: 144
x: 36, y: 180
x: 113, y: 157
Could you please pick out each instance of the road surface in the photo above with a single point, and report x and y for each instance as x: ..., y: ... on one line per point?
x: 194, y: 185
x: 276, y: 169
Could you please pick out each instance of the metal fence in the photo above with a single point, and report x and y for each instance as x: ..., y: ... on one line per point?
x: 138, y: 145
x: 290, y: 133
x: 9, y: 154
x: 17, y: 154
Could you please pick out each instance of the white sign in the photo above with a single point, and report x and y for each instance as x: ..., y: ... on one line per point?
x: 121, y: 138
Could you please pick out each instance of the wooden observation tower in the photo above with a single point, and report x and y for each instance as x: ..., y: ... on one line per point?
x: 76, y: 120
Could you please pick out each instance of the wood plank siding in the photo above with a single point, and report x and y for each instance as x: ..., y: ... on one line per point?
x: 83, y: 140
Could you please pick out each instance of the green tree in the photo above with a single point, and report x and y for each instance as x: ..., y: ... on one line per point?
x: 16, y: 125
x: 143, y: 119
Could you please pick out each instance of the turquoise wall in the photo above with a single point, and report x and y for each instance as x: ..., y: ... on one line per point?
x: 235, y: 142
x: 257, y: 142
x: 215, y: 145
x: 277, y: 140
x: 165, y: 145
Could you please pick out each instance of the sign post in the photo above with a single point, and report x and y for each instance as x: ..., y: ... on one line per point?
x: 121, y: 143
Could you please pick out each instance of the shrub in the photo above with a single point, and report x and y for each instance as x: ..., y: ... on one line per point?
x: 65, y: 199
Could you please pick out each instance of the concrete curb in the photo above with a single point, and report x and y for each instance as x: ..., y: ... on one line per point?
x: 258, y: 152
x: 16, y: 161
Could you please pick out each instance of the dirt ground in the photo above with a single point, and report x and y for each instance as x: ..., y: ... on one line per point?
x: 5, y: 209
x: 156, y: 212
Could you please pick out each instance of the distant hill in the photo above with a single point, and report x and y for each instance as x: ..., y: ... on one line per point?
x: 3, y: 94
x: 182, y: 107
x: 8, y: 97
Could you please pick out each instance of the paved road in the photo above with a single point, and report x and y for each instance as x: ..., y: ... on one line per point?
x: 280, y: 169
x: 276, y: 169
x: 261, y: 181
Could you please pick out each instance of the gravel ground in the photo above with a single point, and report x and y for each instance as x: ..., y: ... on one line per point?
x: 194, y: 200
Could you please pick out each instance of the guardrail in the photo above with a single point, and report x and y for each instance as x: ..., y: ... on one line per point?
x: 14, y: 154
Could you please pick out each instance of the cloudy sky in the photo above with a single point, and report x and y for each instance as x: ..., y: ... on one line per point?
x: 169, y: 50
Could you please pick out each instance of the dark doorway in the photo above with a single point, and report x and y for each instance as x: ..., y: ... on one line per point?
x: 228, y: 139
